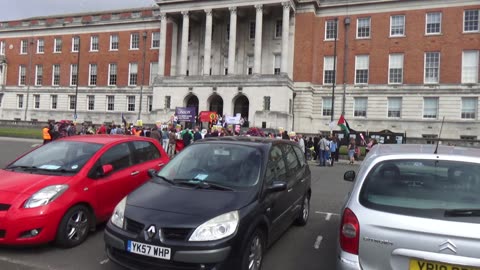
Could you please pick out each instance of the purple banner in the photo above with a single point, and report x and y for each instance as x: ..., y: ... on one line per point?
x: 185, y: 114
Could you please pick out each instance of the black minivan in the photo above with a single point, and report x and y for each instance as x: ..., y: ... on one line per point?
x: 217, y: 205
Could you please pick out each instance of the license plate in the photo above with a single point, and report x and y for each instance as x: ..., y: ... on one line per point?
x: 426, y: 265
x: 149, y: 250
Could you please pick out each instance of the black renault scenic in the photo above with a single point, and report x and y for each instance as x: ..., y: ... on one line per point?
x: 217, y: 205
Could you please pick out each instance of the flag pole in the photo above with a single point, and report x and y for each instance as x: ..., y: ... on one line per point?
x: 334, y: 68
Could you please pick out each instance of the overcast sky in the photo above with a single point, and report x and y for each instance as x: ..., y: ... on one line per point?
x: 20, y: 9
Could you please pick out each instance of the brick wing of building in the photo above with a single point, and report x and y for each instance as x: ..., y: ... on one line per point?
x: 396, y: 65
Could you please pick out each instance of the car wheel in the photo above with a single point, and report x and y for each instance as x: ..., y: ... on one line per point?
x: 252, y: 257
x: 74, y: 227
x: 304, y: 213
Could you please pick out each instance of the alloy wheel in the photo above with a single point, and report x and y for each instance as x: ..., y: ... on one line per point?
x: 306, y: 208
x: 77, y: 225
x: 256, y: 254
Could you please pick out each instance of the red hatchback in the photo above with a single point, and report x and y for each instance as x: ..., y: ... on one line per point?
x: 62, y: 190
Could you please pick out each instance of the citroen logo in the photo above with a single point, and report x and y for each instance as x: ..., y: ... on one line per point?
x: 150, y: 233
x: 448, y: 245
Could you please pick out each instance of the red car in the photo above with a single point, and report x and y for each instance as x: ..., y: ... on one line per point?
x: 62, y: 190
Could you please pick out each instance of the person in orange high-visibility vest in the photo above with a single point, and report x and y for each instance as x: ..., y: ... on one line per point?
x: 46, y: 135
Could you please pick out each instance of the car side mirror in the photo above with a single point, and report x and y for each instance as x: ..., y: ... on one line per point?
x: 152, y: 173
x: 277, y: 186
x: 106, y: 169
x: 349, y: 176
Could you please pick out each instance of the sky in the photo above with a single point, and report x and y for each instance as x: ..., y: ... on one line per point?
x: 21, y: 9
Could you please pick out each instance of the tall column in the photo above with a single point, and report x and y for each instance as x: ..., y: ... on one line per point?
x: 163, y: 45
x: 285, y: 36
x: 257, y: 66
x: 184, y: 51
x: 208, y: 42
x: 232, y: 40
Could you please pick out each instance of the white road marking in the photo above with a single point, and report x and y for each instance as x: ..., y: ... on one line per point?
x: 318, y: 242
x: 22, y: 263
x: 329, y: 215
x: 105, y: 261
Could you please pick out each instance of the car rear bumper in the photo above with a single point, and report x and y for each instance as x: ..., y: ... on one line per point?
x: 213, y: 258
x: 347, y: 261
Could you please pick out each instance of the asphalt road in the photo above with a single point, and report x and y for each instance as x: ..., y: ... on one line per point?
x: 307, y: 248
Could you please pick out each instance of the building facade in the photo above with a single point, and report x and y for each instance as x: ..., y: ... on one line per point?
x: 397, y: 65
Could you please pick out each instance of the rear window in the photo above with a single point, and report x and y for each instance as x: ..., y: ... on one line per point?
x: 422, y: 187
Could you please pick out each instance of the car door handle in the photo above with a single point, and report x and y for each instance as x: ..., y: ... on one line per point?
x: 290, y: 189
x: 303, y: 180
x: 135, y: 173
x: 161, y: 164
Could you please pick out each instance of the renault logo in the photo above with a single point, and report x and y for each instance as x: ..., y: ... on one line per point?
x: 448, y: 245
x: 150, y: 233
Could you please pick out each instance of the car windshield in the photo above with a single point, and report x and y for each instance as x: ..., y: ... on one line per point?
x: 416, y: 186
x: 233, y: 166
x: 57, y: 156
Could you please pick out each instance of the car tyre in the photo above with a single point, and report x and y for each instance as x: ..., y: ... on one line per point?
x: 253, y: 251
x: 74, y: 227
x: 302, y: 219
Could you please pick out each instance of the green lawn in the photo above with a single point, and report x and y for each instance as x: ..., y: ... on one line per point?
x: 32, y: 133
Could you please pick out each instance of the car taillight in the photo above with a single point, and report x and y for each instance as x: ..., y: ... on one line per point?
x: 349, y: 232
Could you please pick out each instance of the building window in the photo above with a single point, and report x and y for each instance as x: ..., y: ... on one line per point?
x: 328, y: 70
x: 360, y: 109
x: 361, y: 69
x: 156, y: 40
x: 469, y: 107
x: 153, y: 72
x: 277, y: 64
x: 112, y: 74
x: 395, y: 68
x: 363, y: 28
x: 290, y: 106
x: 432, y: 67
x: 1, y: 99
x: 394, y: 107
x: 470, y: 67
x: 149, y: 103
x: 168, y: 100
x: 22, y: 75
x: 90, y: 102
x: 278, y: 28
x: 468, y: 138
x: 430, y: 107
x: 250, y: 61
x: 266, y: 103
x: 251, y: 32
x: 38, y: 75
x: 23, y: 46
x: 113, y: 42
x: 92, y: 76
x: 434, y: 23
x: 134, y: 41
x: 131, y: 103
x: 40, y: 46
x: 72, y: 102
x: 36, y: 101
x: 2, y: 47
x: 73, y: 74
x: 430, y: 138
x: 110, y: 103
x: 227, y: 34
x: 20, y: 101
x: 132, y: 74
x: 94, y: 43
x: 56, y: 75
x: 397, y: 26
x: 471, y: 21
x: 53, y: 100
x: 75, y: 44
x: 225, y: 65
x: 331, y: 30
x: 326, y: 106
x: 57, y: 46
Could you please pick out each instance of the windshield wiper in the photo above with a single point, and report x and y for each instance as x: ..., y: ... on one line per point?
x: 33, y: 168
x: 165, y: 179
x: 23, y: 167
x: 202, y: 184
x: 462, y: 213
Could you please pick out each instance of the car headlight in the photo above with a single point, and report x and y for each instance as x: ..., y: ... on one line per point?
x: 118, y: 216
x: 45, y: 196
x: 216, y: 228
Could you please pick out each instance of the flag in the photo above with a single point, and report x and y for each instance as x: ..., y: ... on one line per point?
x: 343, y: 125
x: 124, y: 121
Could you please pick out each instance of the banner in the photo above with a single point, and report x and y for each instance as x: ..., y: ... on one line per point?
x: 234, y: 120
x: 207, y: 116
x: 185, y: 114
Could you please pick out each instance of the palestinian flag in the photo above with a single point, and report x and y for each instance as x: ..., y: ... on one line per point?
x: 343, y: 124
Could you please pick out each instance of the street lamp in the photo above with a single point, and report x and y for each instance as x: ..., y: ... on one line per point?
x: 334, y: 68
x: 144, y: 35
x: 29, y: 74
x: 76, y: 84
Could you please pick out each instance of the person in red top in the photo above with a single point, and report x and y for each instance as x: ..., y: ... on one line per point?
x: 102, y: 130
